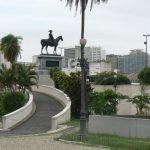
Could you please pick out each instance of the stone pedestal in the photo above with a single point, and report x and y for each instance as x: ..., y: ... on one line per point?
x: 44, y: 62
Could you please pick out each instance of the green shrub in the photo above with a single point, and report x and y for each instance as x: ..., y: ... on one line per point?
x: 2, y: 112
x: 13, y: 101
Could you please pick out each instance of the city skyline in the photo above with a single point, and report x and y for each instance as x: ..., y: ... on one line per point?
x: 116, y: 27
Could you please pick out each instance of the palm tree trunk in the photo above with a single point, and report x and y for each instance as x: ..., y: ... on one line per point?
x: 83, y: 81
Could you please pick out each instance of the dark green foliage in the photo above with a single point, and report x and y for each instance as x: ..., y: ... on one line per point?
x: 60, y: 80
x: 53, y: 70
x: 2, y: 112
x: 25, y: 76
x: 144, y: 76
x: 104, y: 103
x: 107, y: 78
x: 71, y: 85
x: 13, y: 101
x: 141, y: 102
x: 6, y: 78
x: 18, y: 76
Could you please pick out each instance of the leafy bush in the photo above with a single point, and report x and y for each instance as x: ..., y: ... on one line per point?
x: 107, y: 78
x: 104, y: 103
x: 13, y: 101
x: 1, y: 104
x: 53, y: 70
x: 71, y: 85
x: 141, y: 102
x: 144, y: 76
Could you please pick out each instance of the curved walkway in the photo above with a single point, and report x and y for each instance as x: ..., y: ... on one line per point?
x: 46, y: 107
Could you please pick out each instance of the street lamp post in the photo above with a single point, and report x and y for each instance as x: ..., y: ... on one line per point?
x: 146, y: 59
x: 83, y: 77
x: 115, y: 83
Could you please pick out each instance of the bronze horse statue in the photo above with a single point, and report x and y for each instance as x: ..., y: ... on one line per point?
x: 48, y: 42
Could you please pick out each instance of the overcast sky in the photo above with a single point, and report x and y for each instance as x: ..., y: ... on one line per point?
x: 117, y: 26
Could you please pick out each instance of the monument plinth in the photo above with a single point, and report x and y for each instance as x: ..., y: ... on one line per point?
x: 49, y: 61
x: 44, y: 62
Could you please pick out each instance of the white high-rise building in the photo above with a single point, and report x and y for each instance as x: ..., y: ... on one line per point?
x: 99, y: 67
x: 69, y: 53
x: 92, y: 54
x: 97, y: 54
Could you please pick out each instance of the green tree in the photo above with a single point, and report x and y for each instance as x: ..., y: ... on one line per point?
x: 10, y: 47
x: 104, y: 103
x: 19, y: 76
x: 144, y: 79
x: 71, y: 85
x: 25, y: 76
x: 60, y: 79
x: 144, y: 76
x: 53, y: 70
x: 141, y: 102
x: 7, y: 78
x: 69, y: 2
x: 107, y: 78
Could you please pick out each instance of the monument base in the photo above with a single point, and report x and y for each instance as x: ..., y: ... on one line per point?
x: 47, y: 61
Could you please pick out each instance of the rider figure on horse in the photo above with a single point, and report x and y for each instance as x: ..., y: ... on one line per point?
x: 51, y: 38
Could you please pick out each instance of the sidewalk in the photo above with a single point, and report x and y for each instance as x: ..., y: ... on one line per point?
x: 45, y: 142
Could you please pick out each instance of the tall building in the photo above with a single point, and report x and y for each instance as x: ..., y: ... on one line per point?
x: 92, y: 54
x: 134, y: 62
x: 78, y: 52
x: 113, y: 59
x: 69, y: 53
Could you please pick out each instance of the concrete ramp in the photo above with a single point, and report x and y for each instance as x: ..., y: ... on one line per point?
x: 45, y: 80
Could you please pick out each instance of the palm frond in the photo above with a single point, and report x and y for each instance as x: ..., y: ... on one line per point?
x: 70, y: 3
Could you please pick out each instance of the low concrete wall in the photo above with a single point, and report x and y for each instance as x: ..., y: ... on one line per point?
x: 64, y: 115
x: 122, y: 126
x: 12, y: 119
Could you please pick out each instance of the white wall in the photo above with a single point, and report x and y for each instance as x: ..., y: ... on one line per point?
x: 126, y: 127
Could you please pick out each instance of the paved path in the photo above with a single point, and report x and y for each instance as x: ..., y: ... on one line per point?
x: 40, y: 121
x: 46, y: 142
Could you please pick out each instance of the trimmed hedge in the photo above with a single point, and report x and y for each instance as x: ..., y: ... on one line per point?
x: 12, y: 101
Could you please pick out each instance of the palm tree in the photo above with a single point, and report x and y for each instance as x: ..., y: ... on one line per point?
x: 25, y: 76
x: 10, y: 47
x: 83, y: 4
x: 7, y: 78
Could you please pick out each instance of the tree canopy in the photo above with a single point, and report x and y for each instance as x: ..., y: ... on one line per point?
x: 19, y: 76
x: 141, y: 102
x: 76, y: 2
x: 108, y: 78
x: 104, y: 103
x: 10, y: 47
x: 144, y: 76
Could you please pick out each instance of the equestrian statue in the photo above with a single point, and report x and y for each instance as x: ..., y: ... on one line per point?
x: 50, y: 42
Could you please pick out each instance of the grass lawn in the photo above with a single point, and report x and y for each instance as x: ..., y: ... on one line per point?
x: 73, y: 122
x: 112, y: 141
